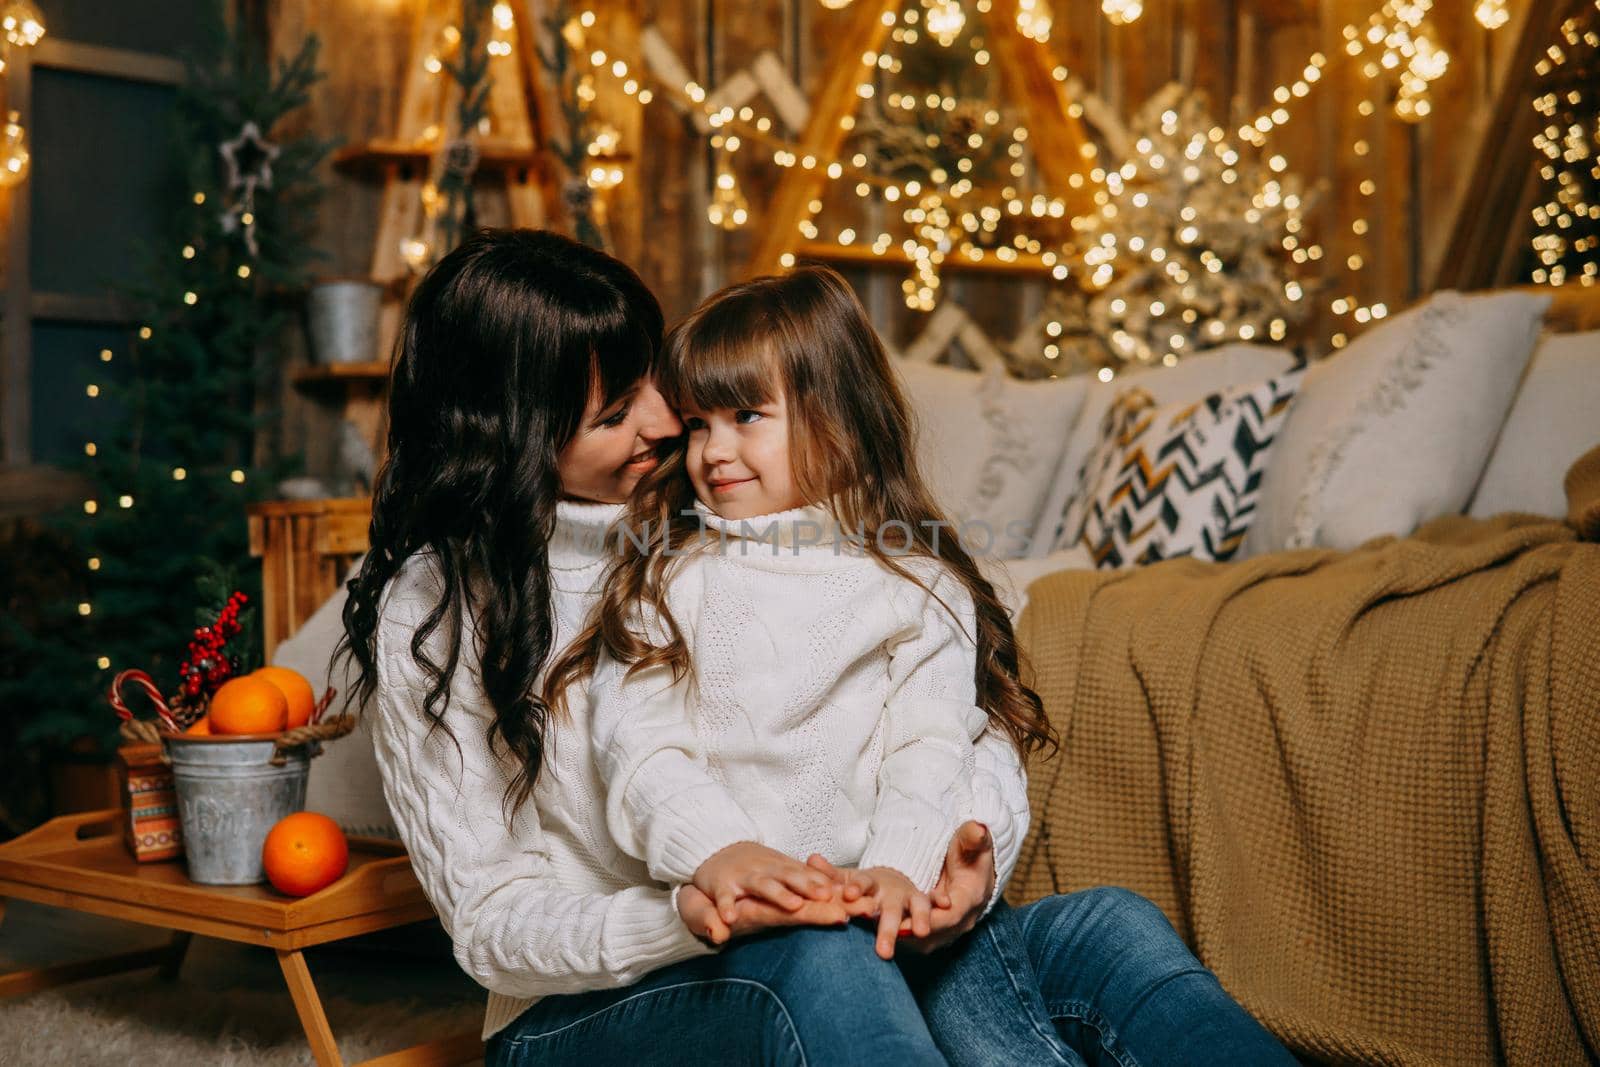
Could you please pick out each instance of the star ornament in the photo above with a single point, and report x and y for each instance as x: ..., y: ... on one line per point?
x: 248, y: 158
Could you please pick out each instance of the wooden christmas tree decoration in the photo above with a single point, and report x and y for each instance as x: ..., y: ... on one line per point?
x: 512, y: 144
x: 515, y: 141
x: 1029, y: 77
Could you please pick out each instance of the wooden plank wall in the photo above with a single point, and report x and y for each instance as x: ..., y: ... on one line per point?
x: 1236, y: 50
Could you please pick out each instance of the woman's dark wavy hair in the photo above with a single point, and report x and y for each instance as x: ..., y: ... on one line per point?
x: 502, y: 343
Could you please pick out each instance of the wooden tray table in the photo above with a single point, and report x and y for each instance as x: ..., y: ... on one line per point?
x: 80, y: 862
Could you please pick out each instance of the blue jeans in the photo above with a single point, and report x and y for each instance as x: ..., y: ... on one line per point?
x: 1096, y: 977
x: 800, y: 995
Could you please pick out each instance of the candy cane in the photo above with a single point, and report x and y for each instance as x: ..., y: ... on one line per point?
x: 145, y: 682
x: 322, y: 705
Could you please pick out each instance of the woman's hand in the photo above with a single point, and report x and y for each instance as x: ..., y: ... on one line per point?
x: 967, y: 883
x: 747, y: 869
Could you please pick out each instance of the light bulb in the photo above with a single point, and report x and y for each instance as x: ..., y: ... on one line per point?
x: 946, y: 19
x: 1121, y: 12
x: 14, y: 156
x: 22, y: 23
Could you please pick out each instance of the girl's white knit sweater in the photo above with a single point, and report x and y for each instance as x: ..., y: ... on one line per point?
x: 830, y: 706
x: 545, y: 902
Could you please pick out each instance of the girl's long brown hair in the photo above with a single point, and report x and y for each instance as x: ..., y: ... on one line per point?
x: 852, y: 447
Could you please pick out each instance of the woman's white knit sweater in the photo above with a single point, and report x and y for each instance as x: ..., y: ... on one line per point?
x: 830, y: 706
x: 544, y: 902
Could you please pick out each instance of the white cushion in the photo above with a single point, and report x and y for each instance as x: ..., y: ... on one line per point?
x: 1555, y: 419
x: 1396, y: 429
x: 343, y: 784
x: 1193, y: 378
x: 1012, y: 578
x: 989, y: 446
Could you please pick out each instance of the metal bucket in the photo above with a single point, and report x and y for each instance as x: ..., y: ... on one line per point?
x: 229, y: 796
x: 343, y: 314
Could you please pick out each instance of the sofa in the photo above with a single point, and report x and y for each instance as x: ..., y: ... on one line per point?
x: 1464, y: 409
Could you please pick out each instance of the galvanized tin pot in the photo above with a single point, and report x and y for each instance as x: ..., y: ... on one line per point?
x: 343, y: 320
x: 229, y: 796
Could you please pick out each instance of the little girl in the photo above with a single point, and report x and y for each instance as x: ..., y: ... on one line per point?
x: 793, y: 654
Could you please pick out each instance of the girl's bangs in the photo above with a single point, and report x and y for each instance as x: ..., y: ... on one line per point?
x: 719, y: 361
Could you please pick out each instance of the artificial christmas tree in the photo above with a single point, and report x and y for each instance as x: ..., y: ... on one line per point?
x: 171, y: 464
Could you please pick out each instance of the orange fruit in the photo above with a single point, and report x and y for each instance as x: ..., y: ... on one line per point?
x: 296, y: 690
x: 303, y: 853
x: 248, y: 705
x: 201, y: 727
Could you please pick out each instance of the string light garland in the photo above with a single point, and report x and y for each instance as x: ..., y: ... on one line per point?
x: 947, y: 212
x: 1398, y: 39
x: 728, y: 207
x: 946, y: 19
x: 1034, y: 17
x: 22, y: 24
x: 1121, y: 12
x: 1348, y: 308
x: 22, y: 27
x: 1256, y: 130
x: 949, y: 150
x: 461, y: 53
x: 1566, y: 244
x: 1491, y: 14
x: 14, y: 154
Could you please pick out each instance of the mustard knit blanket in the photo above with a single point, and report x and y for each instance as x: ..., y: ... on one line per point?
x: 1364, y: 786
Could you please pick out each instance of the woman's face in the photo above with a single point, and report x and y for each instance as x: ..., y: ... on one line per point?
x: 616, y: 445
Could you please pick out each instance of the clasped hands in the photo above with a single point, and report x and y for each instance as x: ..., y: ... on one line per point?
x: 747, y: 887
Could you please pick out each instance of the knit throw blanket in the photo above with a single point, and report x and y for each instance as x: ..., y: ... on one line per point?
x: 1364, y: 786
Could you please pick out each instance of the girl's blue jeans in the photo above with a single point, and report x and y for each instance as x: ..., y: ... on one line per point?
x: 1095, y: 977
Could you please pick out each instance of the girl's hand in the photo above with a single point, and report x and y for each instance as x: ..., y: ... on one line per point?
x: 753, y: 914
x: 748, y: 869
x: 859, y: 904
x: 898, y: 904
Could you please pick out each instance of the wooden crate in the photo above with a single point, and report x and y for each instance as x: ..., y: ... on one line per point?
x: 305, y: 547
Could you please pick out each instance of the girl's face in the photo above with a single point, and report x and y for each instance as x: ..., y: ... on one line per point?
x: 616, y: 445
x: 738, y: 459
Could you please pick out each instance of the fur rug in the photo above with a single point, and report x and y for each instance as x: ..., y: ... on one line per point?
x: 113, y: 1022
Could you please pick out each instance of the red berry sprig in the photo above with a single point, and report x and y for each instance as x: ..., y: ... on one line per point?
x: 207, y: 667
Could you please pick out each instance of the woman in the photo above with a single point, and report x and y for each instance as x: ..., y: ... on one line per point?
x: 521, y: 416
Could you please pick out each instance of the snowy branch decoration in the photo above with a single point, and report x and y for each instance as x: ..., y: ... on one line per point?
x: 1196, y: 246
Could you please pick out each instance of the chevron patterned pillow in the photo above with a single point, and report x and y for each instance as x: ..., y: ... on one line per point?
x: 1180, y: 480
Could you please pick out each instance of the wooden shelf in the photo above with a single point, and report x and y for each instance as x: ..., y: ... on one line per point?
x: 863, y: 255
x: 326, y: 373
x: 492, y: 155
x: 339, y: 506
x: 375, y: 153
